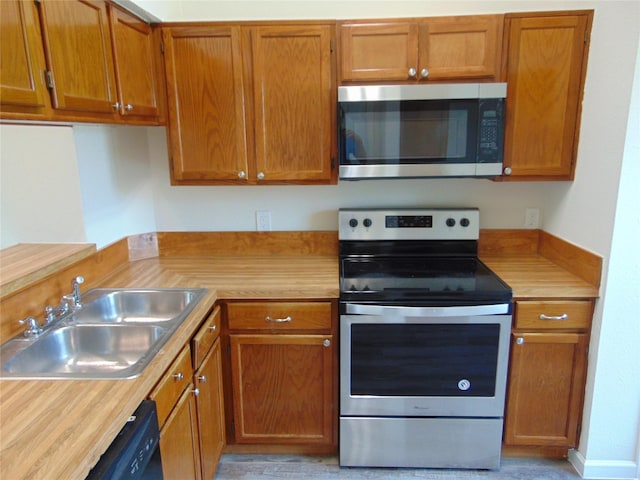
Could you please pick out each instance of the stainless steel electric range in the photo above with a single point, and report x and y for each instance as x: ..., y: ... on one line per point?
x: 424, y: 339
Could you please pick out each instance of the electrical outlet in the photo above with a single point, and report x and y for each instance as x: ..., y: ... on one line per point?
x: 263, y: 220
x: 532, y: 218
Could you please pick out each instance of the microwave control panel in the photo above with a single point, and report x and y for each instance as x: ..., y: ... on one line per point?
x: 490, y: 130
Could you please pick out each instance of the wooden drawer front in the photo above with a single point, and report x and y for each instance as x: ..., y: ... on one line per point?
x: 205, y: 337
x: 554, y: 314
x: 175, y: 380
x: 279, y: 315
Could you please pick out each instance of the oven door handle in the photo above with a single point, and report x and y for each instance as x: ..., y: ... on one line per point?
x: 455, y: 311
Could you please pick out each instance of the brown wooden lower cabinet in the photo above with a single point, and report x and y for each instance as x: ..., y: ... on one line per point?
x: 547, y: 376
x: 179, y: 440
x: 282, y: 375
x: 190, y: 406
x: 282, y: 388
x: 210, y: 405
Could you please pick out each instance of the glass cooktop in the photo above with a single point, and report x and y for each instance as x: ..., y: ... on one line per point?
x: 421, y: 281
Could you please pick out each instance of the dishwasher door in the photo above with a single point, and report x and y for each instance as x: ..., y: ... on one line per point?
x: 134, y: 454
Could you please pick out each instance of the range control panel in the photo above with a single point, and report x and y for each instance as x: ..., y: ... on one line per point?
x: 409, y: 224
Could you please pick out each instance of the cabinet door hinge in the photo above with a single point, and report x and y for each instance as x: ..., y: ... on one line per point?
x: 48, y: 76
x: 162, y: 47
x: 331, y: 45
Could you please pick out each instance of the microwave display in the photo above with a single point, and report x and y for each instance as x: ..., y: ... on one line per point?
x: 404, y: 131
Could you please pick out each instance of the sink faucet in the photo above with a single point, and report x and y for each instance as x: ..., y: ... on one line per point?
x: 74, y: 299
x: 69, y: 302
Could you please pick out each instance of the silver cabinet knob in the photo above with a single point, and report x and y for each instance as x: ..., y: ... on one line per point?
x: 327, y: 342
x: 260, y: 175
x: 424, y: 73
x: 412, y: 72
x: 202, y: 378
x: 196, y: 391
x: 128, y: 107
x: 520, y: 340
x: 213, y: 328
x: 116, y: 105
x: 242, y: 174
x: 178, y: 376
x: 507, y: 171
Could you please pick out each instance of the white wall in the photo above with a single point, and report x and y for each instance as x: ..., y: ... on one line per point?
x: 614, y: 404
x: 115, y: 181
x: 39, y: 186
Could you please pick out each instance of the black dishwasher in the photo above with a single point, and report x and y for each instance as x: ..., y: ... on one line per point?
x: 134, y: 454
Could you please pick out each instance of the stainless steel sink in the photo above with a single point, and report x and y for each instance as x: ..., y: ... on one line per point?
x: 113, y: 335
x: 136, y: 306
x: 88, y: 351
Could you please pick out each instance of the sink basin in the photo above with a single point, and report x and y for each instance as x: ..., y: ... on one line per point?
x: 136, y: 306
x: 88, y: 351
x: 113, y: 335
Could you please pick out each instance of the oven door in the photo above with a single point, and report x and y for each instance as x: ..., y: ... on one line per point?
x: 424, y: 362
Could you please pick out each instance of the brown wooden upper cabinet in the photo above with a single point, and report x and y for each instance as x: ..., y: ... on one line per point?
x: 22, y: 82
x: 136, y: 75
x: 545, y: 58
x: 251, y: 104
x: 78, y: 50
x: 99, y: 62
x: 410, y: 50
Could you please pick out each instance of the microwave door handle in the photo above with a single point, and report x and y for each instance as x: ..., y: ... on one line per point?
x: 454, y: 311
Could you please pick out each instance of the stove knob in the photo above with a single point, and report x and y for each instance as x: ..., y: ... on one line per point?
x: 450, y: 222
x: 353, y: 223
x: 465, y: 222
x: 367, y: 222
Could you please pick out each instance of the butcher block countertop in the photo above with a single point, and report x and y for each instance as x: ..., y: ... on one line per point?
x: 58, y: 429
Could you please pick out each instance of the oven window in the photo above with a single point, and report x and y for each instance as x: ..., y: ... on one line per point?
x: 424, y: 360
x: 406, y: 132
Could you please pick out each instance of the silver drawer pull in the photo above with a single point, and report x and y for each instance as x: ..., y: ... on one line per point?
x: 278, y: 320
x: 213, y: 328
x: 564, y: 316
x: 178, y: 376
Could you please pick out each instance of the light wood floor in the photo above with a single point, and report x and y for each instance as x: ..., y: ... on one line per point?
x: 285, y: 467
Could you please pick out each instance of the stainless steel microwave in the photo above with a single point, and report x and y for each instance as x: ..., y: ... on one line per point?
x: 413, y: 131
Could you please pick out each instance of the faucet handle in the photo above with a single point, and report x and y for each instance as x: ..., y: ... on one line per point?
x: 79, y: 280
x: 34, y: 329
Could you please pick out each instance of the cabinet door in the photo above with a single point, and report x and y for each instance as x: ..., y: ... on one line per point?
x: 460, y: 47
x: 179, y: 440
x: 282, y: 388
x: 21, y: 55
x: 378, y: 51
x: 294, y: 103
x: 135, y: 69
x: 78, y: 49
x: 210, y: 403
x: 206, y: 105
x: 546, y: 387
x: 545, y: 69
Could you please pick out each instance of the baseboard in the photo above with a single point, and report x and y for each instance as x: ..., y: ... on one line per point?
x: 603, y: 469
